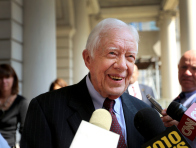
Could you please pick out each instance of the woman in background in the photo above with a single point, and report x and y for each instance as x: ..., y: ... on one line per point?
x: 13, y: 107
x: 58, y: 83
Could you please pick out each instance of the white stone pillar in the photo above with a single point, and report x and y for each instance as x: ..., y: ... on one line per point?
x: 65, y: 53
x: 39, y: 46
x: 187, y: 24
x: 79, y: 39
x: 169, y: 71
x: 11, y: 36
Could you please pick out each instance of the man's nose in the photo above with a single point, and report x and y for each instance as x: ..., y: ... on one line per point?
x: 188, y: 72
x: 121, y: 63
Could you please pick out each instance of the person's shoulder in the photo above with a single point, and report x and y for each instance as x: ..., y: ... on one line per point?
x: 60, y: 96
x: 55, y: 93
x: 55, y: 96
x: 135, y: 101
x: 20, y: 98
x: 145, y: 86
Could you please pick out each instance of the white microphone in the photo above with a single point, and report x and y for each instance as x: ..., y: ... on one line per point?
x: 96, y: 134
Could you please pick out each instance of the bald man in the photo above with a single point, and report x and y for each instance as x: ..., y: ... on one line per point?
x: 139, y: 90
x: 187, y: 80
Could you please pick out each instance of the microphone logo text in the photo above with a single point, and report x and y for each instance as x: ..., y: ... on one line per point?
x: 193, y: 114
x: 188, y: 127
x: 172, y: 140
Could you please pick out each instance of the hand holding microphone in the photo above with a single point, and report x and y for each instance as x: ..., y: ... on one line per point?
x: 177, y: 114
x: 148, y: 122
x: 167, y: 120
x: 186, y: 118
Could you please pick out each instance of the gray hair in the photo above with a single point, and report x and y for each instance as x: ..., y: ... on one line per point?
x: 102, y: 27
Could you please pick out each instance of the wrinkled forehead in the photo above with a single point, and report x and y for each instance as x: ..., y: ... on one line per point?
x: 188, y: 59
x: 117, y: 34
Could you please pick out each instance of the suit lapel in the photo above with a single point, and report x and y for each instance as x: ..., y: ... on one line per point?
x: 129, y: 113
x: 144, y: 93
x: 82, y: 103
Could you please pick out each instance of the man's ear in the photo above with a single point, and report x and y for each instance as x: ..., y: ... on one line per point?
x: 87, y: 58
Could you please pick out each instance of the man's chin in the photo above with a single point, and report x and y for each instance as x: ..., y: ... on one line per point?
x: 116, y: 93
x: 188, y: 89
x: 113, y: 92
x: 113, y: 97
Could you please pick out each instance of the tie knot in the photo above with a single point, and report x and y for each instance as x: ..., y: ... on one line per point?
x: 108, y: 104
x: 182, y: 95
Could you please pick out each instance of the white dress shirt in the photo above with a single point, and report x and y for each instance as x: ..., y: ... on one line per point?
x: 134, y: 90
x: 98, y: 101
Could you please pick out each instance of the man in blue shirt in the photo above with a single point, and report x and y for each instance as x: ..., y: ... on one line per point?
x: 187, y: 80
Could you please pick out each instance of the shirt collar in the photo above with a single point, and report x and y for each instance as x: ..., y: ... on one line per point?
x: 188, y: 99
x: 118, y: 105
x: 188, y: 94
x: 98, y: 100
x: 136, y: 83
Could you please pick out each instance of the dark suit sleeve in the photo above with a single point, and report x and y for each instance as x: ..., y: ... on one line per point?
x: 36, y: 132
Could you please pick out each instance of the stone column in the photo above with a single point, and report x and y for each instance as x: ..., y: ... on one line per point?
x: 79, y: 39
x: 187, y: 25
x: 39, y: 46
x: 11, y: 36
x: 169, y: 71
x: 65, y: 53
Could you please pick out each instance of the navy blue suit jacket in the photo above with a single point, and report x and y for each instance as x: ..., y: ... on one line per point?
x: 145, y: 90
x: 54, y: 117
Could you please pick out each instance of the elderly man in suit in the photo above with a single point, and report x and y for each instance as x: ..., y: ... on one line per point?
x: 54, y: 117
x: 139, y: 90
x: 187, y: 80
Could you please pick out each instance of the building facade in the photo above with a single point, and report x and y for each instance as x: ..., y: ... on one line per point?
x: 44, y: 39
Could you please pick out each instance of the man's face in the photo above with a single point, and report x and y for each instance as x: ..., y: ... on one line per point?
x: 112, y: 65
x: 187, y: 72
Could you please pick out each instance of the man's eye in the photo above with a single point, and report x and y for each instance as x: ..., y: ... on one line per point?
x: 183, y: 67
x: 112, y: 53
x: 131, y: 56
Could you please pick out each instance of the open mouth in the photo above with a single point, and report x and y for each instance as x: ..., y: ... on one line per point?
x: 115, y: 78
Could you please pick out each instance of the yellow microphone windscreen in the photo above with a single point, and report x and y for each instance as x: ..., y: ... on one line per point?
x: 101, y: 118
